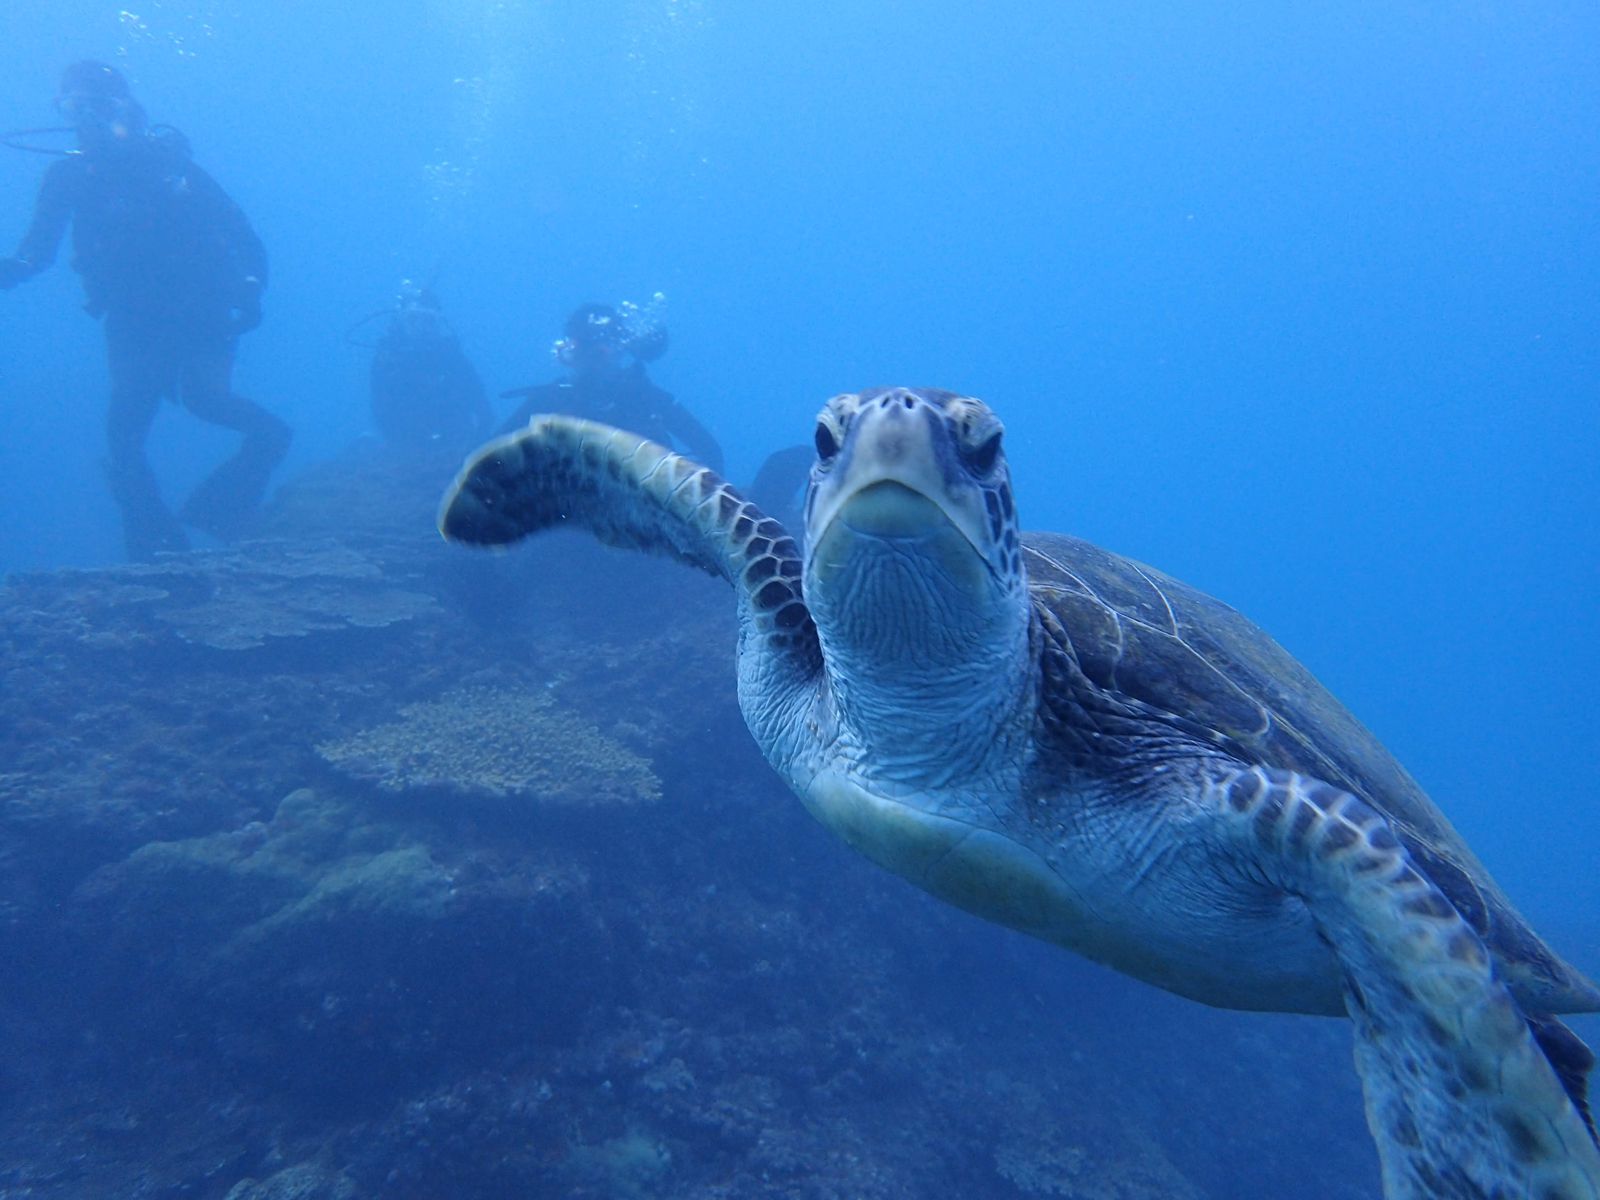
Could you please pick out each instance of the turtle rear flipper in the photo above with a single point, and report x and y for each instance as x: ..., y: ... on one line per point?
x: 1462, y: 1097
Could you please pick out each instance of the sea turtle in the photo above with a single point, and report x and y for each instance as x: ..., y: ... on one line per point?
x: 1078, y: 746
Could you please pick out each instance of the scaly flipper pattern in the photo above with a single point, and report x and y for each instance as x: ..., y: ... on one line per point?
x: 632, y: 492
x: 1462, y: 1101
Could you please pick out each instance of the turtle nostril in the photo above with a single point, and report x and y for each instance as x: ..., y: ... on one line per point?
x: 908, y: 400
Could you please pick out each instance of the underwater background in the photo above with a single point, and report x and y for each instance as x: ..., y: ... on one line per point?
x: 1299, y: 303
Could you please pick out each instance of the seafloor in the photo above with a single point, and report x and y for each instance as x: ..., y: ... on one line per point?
x: 344, y: 863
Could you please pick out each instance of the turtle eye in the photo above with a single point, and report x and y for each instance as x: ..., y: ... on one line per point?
x: 982, y: 457
x: 827, y: 444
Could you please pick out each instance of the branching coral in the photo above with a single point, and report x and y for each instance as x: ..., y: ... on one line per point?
x: 495, y: 742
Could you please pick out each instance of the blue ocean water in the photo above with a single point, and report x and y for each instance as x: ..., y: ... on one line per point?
x: 1299, y: 303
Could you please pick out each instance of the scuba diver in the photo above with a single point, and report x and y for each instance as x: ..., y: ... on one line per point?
x: 606, y: 349
x: 172, y: 266
x: 424, y: 390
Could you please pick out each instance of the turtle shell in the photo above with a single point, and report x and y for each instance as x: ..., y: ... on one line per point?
x: 1139, y: 635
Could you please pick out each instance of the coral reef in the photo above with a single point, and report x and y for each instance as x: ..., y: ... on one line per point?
x: 1042, y: 1159
x: 328, y: 868
x: 281, y: 590
x: 305, y: 1181
x: 495, y: 742
x: 226, y: 599
x: 629, y: 1166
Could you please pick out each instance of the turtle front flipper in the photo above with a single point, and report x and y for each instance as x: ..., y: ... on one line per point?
x: 1462, y: 1098
x: 629, y: 491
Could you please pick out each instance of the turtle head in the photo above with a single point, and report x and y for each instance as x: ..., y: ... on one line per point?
x: 913, y: 565
x: 909, y: 467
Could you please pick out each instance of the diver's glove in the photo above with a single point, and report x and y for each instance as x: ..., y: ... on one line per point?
x: 247, y: 305
x: 13, y: 271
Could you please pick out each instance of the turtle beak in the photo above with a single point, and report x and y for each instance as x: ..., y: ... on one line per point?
x: 897, y: 477
x: 897, y: 492
x: 888, y: 509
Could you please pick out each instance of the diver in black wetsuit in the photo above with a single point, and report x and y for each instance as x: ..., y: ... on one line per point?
x: 606, y: 355
x: 425, y: 392
x: 173, y: 267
